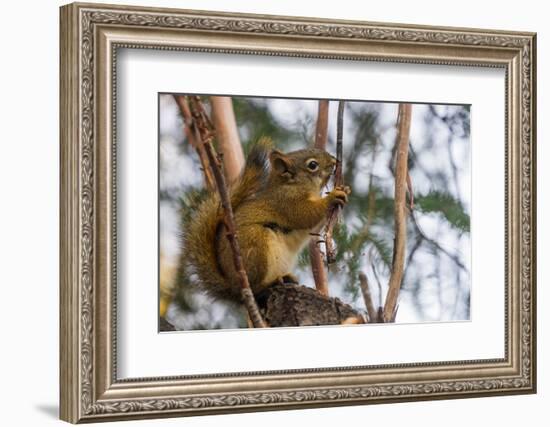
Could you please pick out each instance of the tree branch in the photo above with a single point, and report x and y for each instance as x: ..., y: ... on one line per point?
x: 296, y: 305
x: 334, y: 213
x: 367, y: 297
x: 206, y: 132
x: 315, y: 255
x: 321, y: 130
x: 194, y: 139
x: 227, y: 136
x: 318, y: 266
x: 400, y: 212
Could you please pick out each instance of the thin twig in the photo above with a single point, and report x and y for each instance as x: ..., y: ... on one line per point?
x: 206, y: 135
x: 363, y: 234
x: 316, y: 257
x: 334, y: 213
x: 192, y: 136
x: 445, y: 120
x: 377, y: 278
x: 410, y: 188
x: 400, y: 212
x: 417, y: 243
x: 378, y: 315
x: 371, y: 311
x: 436, y: 245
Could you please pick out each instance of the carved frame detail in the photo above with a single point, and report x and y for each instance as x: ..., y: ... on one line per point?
x: 82, y: 399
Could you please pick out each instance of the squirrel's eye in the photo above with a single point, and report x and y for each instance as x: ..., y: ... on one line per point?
x: 312, y: 165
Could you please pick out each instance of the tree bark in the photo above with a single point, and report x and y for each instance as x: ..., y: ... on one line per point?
x: 297, y: 305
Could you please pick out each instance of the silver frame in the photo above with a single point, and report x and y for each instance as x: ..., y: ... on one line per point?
x: 90, y: 37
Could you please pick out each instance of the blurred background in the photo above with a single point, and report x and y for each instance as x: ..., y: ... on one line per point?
x: 436, y: 283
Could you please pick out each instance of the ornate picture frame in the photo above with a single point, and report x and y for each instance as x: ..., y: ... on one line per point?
x: 90, y: 37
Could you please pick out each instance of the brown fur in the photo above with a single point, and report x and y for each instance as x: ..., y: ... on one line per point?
x: 276, y: 204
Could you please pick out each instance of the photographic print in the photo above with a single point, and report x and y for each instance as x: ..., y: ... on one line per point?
x: 343, y: 212
x: 350, y: 194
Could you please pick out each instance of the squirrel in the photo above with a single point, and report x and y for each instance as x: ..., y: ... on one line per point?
x: 276, y: 204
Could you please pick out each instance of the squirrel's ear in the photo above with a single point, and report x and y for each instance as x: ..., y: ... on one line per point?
x: 282, y: 164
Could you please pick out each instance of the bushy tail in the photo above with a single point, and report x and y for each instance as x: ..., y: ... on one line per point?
x: 255, y: 174
x: 204, y: 227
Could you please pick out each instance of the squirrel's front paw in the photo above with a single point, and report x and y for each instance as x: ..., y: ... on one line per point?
x: 339, y: 195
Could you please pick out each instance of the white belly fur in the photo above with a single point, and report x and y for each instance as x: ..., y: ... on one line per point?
x: 283, y: 253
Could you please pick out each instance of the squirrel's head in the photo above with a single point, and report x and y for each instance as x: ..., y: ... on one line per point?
x: 309, y: 167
